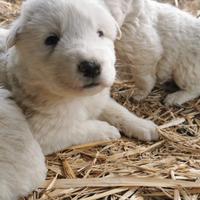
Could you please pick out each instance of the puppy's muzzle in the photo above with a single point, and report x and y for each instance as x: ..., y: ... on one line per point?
x: 89, y: 69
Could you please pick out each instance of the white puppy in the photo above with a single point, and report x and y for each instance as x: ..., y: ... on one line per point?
x: 22, y: 166
x: 60, y: 69
x: 159, y: 42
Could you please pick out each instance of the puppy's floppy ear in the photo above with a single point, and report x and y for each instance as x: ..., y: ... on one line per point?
x: 14, y: 33
x: 118, y: 9
x: 17, y: 27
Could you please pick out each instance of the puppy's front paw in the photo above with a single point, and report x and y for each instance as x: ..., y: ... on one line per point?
x: 148, y: 131
x: 144, y: 130
x: 140, y: 94
x: 108, y: 132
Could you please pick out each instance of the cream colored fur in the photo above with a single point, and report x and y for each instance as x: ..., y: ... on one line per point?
x: 61, y: 105
x: 159, y: 43
x: 22, y: 166
x: 61, y: 112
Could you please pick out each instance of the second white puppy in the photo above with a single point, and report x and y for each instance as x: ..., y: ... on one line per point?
x: 159, y: 42
x: 60, y: 68
x: 22, y: 165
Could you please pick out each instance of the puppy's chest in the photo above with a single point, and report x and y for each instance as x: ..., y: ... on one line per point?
x: 63, y: 116
x: 126, y: 54
x: 125, y: 48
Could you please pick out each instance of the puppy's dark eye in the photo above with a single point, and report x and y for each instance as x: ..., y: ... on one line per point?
x: 52, y: 40
x: 100, y: 33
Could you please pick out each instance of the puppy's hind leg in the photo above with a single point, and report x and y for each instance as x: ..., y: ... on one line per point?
x: 180, y: 97
x: 187, y: 80
x: 22, y: 164
x: 128, y: 123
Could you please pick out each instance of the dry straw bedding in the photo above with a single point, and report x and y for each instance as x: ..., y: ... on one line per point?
x: 129, y: 169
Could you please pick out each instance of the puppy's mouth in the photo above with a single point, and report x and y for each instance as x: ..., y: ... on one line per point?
x: 91, y: 85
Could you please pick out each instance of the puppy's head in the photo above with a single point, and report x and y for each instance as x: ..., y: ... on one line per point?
x: 66, y: 45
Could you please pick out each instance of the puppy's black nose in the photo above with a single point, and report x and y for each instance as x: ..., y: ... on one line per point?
x: 89, y: 69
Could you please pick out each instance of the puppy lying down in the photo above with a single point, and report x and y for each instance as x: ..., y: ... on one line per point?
x: 60, y: 67
x: 159, y: 42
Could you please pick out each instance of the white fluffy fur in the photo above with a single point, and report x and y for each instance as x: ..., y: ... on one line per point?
x: 159, y: 42
x: 22, y: 166
x: 46, y: 84
x: 45, y: 81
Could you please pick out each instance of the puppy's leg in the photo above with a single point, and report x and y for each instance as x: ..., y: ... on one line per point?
x: 186, y: 76
x: 79, y: 133
x: 180, y: 97
x: 144, y: 85
x: 22, y: 165
x: 127, y: 122
x: 146, y: 53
